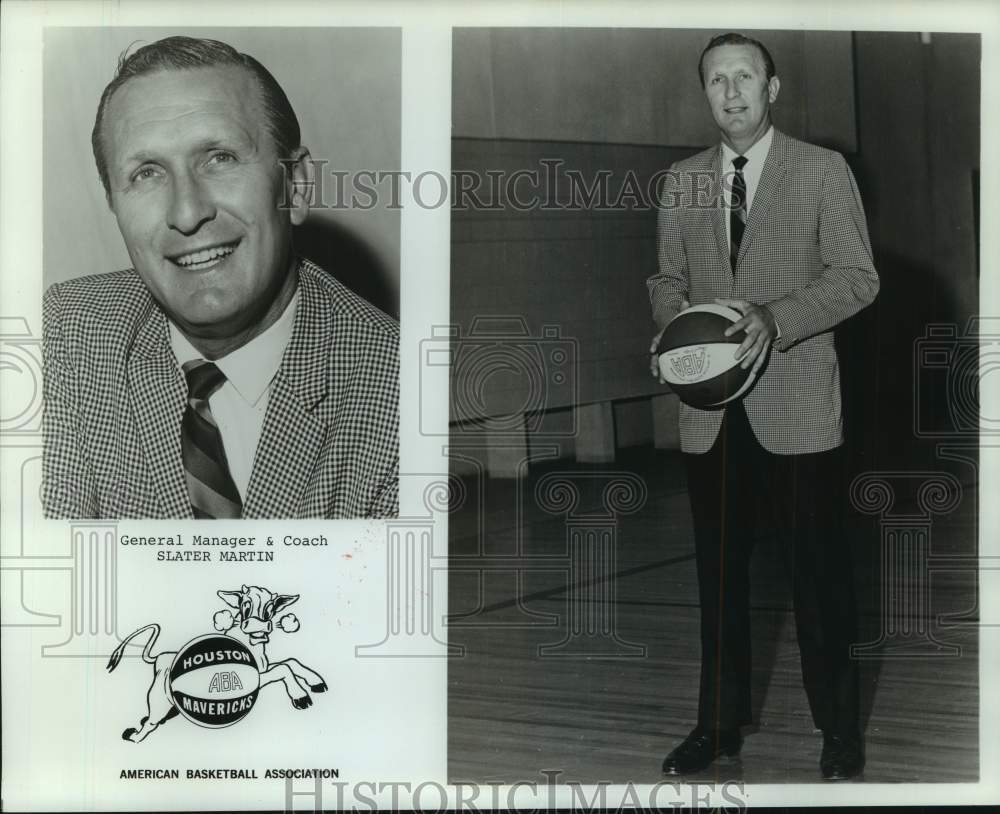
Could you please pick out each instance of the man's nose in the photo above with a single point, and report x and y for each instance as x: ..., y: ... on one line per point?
x: 190, y: 205
x: 732, y: 91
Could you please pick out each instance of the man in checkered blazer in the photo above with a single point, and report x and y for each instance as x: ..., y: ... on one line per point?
x: 222, y: 376
x: 774, y: 228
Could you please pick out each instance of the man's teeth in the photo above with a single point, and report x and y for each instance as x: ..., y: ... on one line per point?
x: 204, y: 256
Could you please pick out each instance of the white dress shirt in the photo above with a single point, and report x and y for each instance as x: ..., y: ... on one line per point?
x: 240, y: 404
x: 755, y: 157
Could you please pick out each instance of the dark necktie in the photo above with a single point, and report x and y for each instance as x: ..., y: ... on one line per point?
x: 737, y: 211
x: 210, y: 486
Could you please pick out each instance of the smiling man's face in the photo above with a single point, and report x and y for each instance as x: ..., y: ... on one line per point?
x: 739, y: 93
x: 202, y: 200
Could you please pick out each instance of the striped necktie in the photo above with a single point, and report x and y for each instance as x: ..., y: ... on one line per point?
x: 210, y: 486
x: 737, y: 211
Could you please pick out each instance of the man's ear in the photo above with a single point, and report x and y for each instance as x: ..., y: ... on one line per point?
x: 300, y: 178
x: 773, y: 86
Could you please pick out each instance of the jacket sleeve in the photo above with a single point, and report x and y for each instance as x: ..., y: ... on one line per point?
x: 382, y: 399
x: 67, y: 479
x: 848, y: 281
x: 669, y: 286
x: 386, y: 503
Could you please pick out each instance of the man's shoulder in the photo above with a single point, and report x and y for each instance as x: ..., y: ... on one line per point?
x: 95, y: 294
x: 352, y: 313
x: 804, y: 152
x: 96, y: 318
x: 702, y: 160
x: 356, y: 342
x: 102, y: 308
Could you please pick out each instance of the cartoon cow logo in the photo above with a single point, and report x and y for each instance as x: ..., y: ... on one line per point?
x: 213, y: 680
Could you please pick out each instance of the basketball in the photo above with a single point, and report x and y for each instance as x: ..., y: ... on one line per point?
x: 699, y: 361
x: 214, y: 681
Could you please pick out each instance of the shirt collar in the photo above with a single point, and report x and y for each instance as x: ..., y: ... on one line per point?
x: 250, y: 368
x: 756, y: 153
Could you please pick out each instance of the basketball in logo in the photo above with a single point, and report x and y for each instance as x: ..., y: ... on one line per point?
x: 214, y: 681
x: 699, y: 361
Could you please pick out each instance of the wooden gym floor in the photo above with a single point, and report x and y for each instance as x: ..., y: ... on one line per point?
x: 513, y: 713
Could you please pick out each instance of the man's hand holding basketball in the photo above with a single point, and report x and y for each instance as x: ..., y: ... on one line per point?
x: 654, y: 357
x: 761, y: 330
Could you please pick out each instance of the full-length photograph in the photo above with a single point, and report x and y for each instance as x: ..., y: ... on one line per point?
x: 714, y: 406
x: 220, y: 334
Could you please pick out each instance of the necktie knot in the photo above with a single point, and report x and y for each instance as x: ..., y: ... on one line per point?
x: 203, y: 378
x: 740, y: 162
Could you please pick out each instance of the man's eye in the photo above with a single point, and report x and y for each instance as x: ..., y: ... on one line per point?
x: 144, y: 174
x: 221, y: 157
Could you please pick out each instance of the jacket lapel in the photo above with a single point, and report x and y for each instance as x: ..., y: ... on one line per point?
x: 767, y: 186
x: 295, y: 429
x: 156, y: 392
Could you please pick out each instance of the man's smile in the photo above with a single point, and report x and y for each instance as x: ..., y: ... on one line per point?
x: 204, y: 257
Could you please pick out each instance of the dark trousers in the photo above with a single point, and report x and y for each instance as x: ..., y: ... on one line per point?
x: 733, y: 487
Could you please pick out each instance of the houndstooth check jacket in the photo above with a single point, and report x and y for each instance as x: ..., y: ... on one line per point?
x: 114, y: 398
x: 805, y: 254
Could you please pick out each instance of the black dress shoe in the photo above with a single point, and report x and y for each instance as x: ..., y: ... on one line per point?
x: 842, y: 757
x: 700, y: 748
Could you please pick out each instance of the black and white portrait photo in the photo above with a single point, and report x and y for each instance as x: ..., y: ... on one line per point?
x: 220, y: 333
